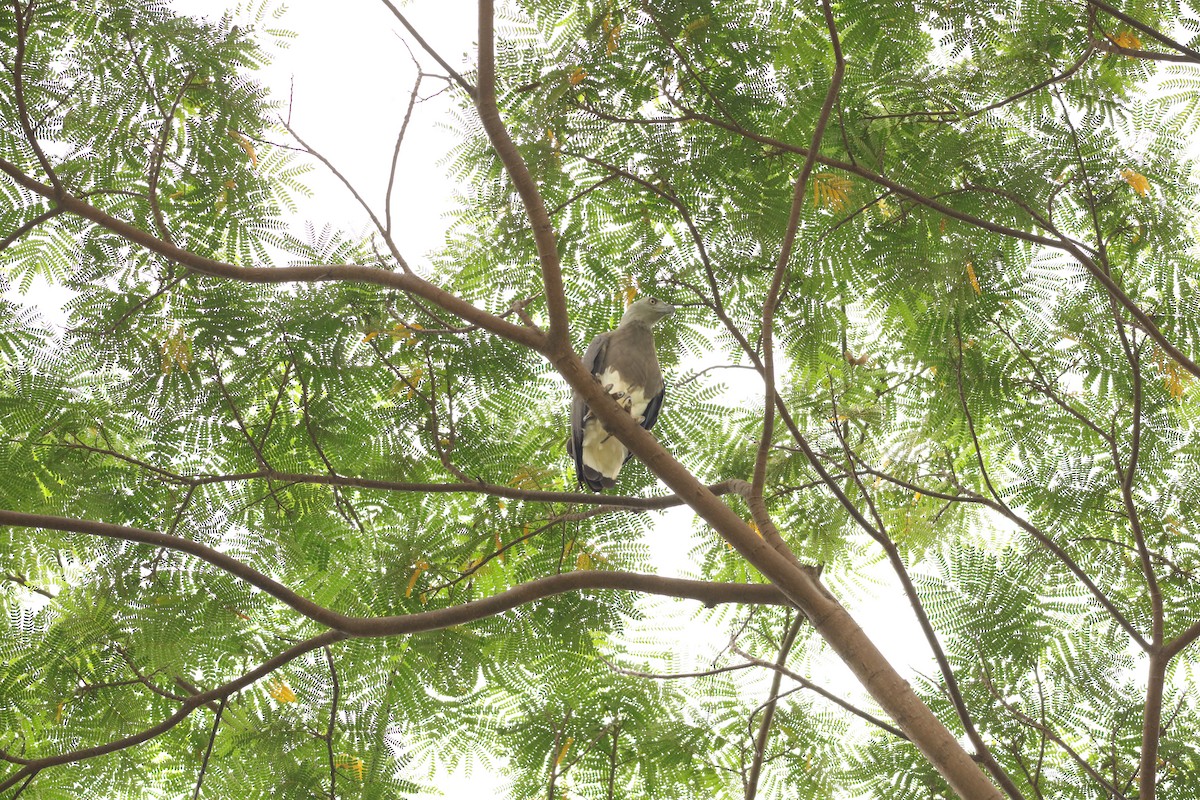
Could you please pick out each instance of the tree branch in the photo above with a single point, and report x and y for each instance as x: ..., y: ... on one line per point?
x: 764, y: 728
x: 1146, y: 29
x: 1058, y: 242
x: 459, y: 79
x: 33, y: 766
x: 405, y: 282
x: 539, y: 219
x: 704, y: 591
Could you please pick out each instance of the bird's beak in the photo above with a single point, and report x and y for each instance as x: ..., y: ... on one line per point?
x: 666, y: 309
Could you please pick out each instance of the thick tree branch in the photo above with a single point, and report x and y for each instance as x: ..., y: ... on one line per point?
x: 706, y: 592
x: 539, y: 219
x: 828, y: 617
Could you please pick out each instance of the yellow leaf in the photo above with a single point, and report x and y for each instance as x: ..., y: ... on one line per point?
x: 695, y: 25
x: 916, y: 498
x: 1126, y: 39
x: 754, y: 527
x: 422, y: 565
x: 562, y: 753
x: 175, y: 351
x: 281, y: 692
x: 1174, y: 377
x: 352, y: 763
x: 831, y: 191
x: 857, y: 361
x: 408, y: 384
x: 629, y: 290
x: 584, y: 562
x: 58, y: 711
x: 577, y: 76
x: 246, y: 145
x: 1137, y: 181
x: 974, y: 278
x: 885, y: 208
x: 612, y: 33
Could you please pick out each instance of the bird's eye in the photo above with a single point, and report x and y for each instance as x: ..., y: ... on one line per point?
x: 653, y: 301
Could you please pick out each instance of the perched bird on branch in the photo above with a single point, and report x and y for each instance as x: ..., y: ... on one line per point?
x: 625, y: 363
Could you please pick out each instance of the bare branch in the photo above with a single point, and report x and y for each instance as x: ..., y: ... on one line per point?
x: 781, y: 265
x: 24, y: 20
x: 459, y: 79
x: 208, y: 750
x: 828, y: 695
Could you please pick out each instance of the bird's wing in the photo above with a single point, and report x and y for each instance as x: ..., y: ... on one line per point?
x: 593, y: 362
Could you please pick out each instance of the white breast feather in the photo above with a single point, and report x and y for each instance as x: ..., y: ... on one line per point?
x: 602, y: 452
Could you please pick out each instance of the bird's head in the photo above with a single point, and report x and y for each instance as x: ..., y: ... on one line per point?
x: 647, y: 311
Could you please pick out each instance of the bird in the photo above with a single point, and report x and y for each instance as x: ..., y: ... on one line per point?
x: 625, y: 363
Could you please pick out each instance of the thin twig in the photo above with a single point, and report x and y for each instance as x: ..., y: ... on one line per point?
x: 768, y: 708
x: 208, y: 750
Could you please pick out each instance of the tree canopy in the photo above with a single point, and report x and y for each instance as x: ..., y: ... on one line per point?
x: 287, y: 510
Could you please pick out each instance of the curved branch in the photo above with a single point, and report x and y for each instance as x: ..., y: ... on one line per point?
x: 308, y: 274
x: 35, y: 765
x: 523, y: 181
x: 707, y: 592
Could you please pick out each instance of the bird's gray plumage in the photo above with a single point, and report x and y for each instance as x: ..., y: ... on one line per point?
x: 626, y: 364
